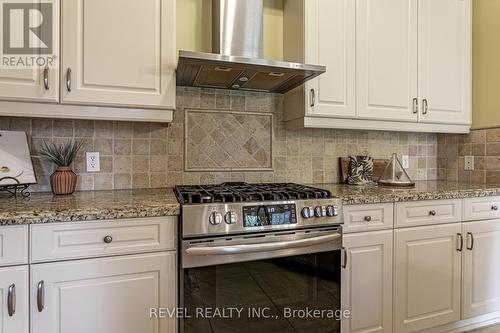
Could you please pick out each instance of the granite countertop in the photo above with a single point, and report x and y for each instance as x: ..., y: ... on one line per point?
x: 423, y: 190
x: 106, y: 205
x: 91, y: 205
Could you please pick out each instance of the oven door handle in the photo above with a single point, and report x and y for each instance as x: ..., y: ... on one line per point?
x: 261, y: 247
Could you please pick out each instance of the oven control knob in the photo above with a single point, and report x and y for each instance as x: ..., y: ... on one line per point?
x: 215, y: 218
x: 320, y: 211
x: 307, y: 212
x: 231, y: 218
x: 332, y: 211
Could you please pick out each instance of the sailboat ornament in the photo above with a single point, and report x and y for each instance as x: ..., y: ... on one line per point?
x: 395, y: 175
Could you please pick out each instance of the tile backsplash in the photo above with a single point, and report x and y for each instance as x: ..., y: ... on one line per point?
x: 483, y: 144
x: 143, y: 155
x: 229, y: 141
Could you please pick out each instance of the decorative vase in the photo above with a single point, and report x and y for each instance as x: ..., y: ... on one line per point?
x: 63, y: 181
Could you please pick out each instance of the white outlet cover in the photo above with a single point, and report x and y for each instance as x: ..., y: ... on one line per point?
x: 93, y: 162
x: 405, y: 161
x: 469, y: 163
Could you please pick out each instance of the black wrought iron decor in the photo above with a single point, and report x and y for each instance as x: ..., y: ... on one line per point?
x: 14, y: 190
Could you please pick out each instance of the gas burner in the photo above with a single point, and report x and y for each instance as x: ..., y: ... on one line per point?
x: 244, y: 192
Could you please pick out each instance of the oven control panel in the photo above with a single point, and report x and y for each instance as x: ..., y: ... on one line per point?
x: 235, y: 218
x: 265, y: 215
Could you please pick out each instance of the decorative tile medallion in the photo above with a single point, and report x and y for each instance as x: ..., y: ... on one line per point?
x: 227, y: 140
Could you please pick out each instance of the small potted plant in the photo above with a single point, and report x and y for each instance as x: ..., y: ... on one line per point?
x: 63, y: 180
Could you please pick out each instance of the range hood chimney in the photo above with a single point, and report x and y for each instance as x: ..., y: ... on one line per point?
x: 237, y: 62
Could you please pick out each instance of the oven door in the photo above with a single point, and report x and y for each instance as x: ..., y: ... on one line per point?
x: 272, y: 282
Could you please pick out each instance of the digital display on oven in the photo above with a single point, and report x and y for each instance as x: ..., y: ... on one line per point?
x: 258, y: 216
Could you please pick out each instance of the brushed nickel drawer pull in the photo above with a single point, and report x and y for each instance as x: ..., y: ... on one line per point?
x: 108, y: 239
x: 40, y: 296
x: 471, y: 236
x: 460, y: 245
x: 425, y: 106
x: 312, y: 98
x: 344, y: 264
x: 68, y: 79
x: 11, y: 300
x: 46, y: 78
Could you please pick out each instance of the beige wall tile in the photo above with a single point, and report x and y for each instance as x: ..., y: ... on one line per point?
x: 122, y: 180
x: 122, y: 147
x: 152, y: 154
x: 104, y: 146
x: 122, y: 164
x: 103, y: 181
x: 493, y: 177
x: 84, y: 128
x: 64, y: 128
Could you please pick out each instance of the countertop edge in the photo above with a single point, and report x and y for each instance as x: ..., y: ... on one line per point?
x: 356, y: 199
x: 114, y: 214
x: 71, y: 210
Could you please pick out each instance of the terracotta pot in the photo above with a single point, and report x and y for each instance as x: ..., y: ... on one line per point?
x: 63, y: 181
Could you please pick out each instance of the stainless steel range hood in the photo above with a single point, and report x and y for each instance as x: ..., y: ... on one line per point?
x: 238, y: 63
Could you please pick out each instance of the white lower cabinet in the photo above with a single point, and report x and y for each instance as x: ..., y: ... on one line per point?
x: 481, y: 268
x: 367, y: 282
x: 106, y: 295
x: 427, y: 274
x: 14, y: 299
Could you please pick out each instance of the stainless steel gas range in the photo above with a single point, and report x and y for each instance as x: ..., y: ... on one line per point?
x: 259, y: 258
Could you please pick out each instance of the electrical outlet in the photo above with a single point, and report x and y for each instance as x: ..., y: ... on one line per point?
x: 93, y: 162
x: 405, y: 161
x: 469, y: 163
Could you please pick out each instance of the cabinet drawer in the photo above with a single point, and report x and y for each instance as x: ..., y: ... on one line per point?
x: 368, y: 217
x: 481, y: 208
x: 93, y: 239
x: 13, y: 245
x: 428, y: 212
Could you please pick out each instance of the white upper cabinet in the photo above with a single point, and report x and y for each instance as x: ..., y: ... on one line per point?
x: 118, y: 53
x: 387, y: 59
x: 322, y: 32
x: 401, y: 65
x: 330, y: 38
x: 32, y: 84
x: 445, y: 89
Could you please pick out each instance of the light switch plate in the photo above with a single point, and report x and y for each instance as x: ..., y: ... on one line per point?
x: 469, y: 163
x: 93, y: 162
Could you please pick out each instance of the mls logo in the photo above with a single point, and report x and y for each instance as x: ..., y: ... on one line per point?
x: 27, y: 28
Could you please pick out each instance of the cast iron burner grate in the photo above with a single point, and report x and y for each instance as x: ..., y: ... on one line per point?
x: 240, y: 192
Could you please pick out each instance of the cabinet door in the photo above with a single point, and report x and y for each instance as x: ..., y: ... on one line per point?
x: 330, y: 40
x: 108, y: 295
x: 367, y: 282
x: 14, y: 300
x: 427, y: 277
x: 27, y: 84
x: 387, y: 59
x: 119, y: 53
x: 481, y: 271
x: 445, y: 87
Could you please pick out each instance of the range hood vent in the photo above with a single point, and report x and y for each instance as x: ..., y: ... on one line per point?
x: 238, y: 63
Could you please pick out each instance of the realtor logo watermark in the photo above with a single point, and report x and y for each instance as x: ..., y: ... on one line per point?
x: 27, y: 34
